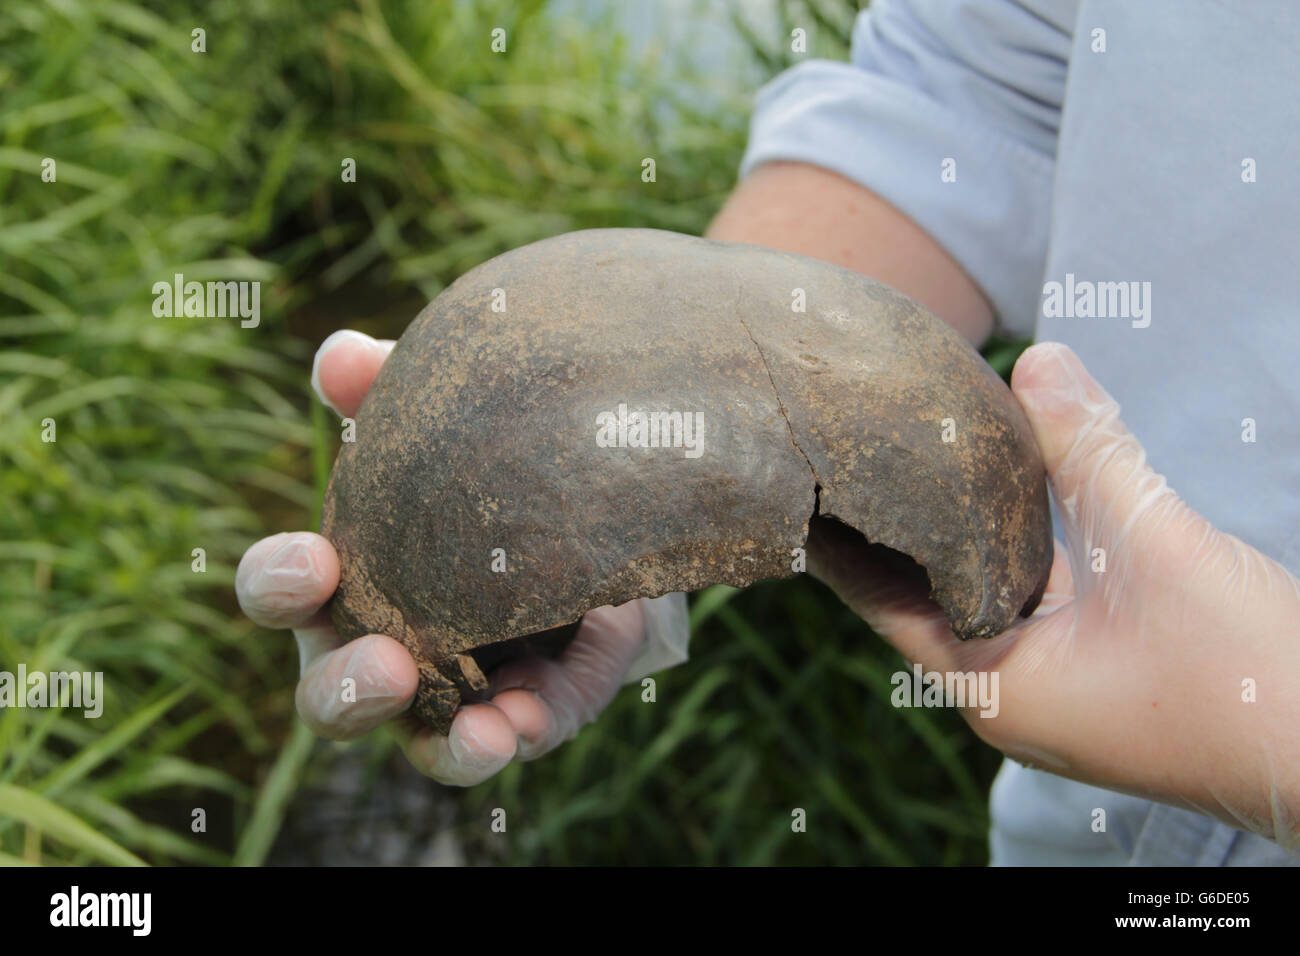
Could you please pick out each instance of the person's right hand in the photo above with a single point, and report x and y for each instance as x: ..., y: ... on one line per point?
x: 285, y: 580
x: 1170, y: 669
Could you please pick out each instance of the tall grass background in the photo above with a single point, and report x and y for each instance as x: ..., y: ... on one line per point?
x: 177, y: 434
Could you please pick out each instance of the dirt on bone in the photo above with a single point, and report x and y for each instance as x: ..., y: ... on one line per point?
x: 547, y: 438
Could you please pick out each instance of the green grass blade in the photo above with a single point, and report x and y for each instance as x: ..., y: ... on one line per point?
x: 51, y: 819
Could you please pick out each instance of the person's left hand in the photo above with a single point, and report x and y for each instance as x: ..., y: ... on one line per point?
x: 536, y: 704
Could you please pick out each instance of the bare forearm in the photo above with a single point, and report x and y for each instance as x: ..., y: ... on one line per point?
x: 814, y: 212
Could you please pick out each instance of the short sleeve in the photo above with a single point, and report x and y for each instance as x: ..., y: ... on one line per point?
x: 950, y: 112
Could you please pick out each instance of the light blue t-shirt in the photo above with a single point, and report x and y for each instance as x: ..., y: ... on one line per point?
x: 1144, y: 157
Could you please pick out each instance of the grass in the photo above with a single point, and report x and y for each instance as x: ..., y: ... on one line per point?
x: 177, y: 434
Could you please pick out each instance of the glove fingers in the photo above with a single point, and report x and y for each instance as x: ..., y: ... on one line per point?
x: 480, y: 744
x: 345, y: 365
x: 1077, y: 690
x: 283, y: 580
x: 351, y: 690
x: 548, y: 701
x: 1111, y: 501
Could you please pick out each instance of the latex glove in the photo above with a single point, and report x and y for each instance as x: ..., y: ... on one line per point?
x: 1131, y: 678
x: 537, y: 704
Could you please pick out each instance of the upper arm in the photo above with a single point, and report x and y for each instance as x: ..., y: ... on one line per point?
x: 814, y: 212
x: 947, y: 115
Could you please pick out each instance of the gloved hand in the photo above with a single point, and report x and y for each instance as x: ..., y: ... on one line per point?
x: 1132, y: 678
x: 536, y: 704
